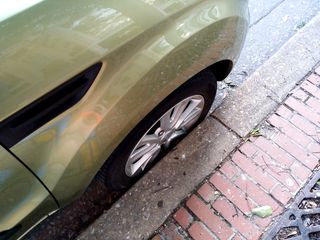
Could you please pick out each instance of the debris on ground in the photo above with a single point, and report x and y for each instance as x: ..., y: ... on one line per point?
x: 256, y: 132
x: 287, y: 233
x: 263, y: 212
x: 230, y: 83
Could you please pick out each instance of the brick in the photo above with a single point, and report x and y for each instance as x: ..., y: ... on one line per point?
x: 230, y: 170
x: 198, y: 231
x: 281, y: 194
x: 255, y: 172
x: 237, y: 237
x: 300, y: 171
x: 249, y: 149
x: 278, y: 171
x: 306, y: 126
x: 291, y: 131
x: 237, y: 220
x: 255, y: 193
x: 183, y: 218
x: 232, y: 193
x: 303, y: 110
x: 314, y: 104
x: 274, y: 151
x: 207, y: 216
x: 171, y: 232
x: 314, y: 149
x: 296, y: 151
x: 262, y: 222
x: 300, y: 95
x: 315, y: 79
x: 312, y: 89
x: 284, y: 112
x: 207, y: 192
x: 157, y: 237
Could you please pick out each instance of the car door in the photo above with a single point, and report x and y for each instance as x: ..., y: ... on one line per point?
x: 23, y: 199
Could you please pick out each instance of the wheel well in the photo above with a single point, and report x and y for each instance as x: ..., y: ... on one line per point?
x: 221, y: 69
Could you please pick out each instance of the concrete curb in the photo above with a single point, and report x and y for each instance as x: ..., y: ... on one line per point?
x: 146, y: 205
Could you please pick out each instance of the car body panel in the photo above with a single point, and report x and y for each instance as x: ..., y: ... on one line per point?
x: 148, y: 49
x: 22, y: 195
x: 52, y: 41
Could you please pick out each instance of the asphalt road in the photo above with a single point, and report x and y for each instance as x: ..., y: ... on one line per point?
x: 273, y: 22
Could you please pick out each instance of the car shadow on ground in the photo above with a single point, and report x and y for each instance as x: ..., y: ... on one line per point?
x: 68, y: 222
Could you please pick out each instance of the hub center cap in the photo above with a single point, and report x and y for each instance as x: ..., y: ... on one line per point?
x: 164, y: 136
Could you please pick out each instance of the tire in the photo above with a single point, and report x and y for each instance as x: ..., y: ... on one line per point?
x: 117, y: 173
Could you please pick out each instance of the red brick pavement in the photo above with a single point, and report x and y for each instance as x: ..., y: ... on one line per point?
x: 261, y: 172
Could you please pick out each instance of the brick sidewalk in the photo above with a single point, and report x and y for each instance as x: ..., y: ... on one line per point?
x: 265, y: 170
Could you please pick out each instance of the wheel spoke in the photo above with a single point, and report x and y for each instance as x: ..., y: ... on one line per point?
x: 191, y: 118
x: 145, y: 159
x: 148, y: 139
x: 135, y: 167
x: 146, y: 144
x: 155, y: 153
x: 177, y: 111
x: 191, y: 112
x: 165, y: 121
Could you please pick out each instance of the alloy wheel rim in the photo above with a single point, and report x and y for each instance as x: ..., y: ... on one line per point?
x: 171, y: 125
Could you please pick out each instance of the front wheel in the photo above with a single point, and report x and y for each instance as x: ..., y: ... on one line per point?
x: 159, y: 131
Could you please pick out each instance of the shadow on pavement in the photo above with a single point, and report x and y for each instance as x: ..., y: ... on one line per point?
x: 68, y: 222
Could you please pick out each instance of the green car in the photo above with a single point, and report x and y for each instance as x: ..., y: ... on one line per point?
x: 102, y: 89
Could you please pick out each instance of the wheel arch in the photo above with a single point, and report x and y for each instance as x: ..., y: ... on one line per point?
x: 221, y: 69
